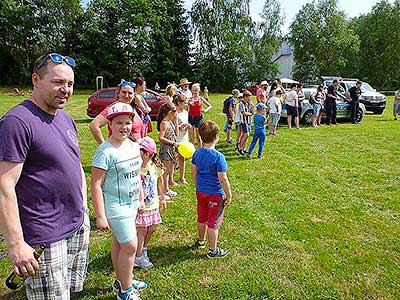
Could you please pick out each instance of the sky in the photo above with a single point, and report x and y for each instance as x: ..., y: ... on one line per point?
x: 352, y: 8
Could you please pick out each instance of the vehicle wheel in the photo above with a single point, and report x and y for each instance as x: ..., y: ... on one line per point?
x: 378, y: 112
x: 307, y: 117
x: 359, y: 115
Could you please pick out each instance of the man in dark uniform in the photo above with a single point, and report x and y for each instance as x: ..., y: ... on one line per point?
x: 355, y: 93
x: 330, y: 103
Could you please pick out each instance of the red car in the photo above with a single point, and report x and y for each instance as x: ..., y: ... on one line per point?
x: 103, y: 97
x: 253, y: 89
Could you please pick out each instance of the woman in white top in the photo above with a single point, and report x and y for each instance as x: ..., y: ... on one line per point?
x: 181, y: 104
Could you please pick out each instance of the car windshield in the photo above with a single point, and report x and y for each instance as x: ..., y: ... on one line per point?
x: 365, y: 87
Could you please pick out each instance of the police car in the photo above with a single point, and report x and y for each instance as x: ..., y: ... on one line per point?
x: 342, y: 108
x: 372, y: 100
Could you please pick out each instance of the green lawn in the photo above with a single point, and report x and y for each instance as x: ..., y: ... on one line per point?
x: 316, y: 218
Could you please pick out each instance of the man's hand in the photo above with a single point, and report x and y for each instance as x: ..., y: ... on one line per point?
x: 23, y: 260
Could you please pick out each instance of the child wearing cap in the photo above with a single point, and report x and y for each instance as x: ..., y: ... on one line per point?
x: 117, y: 194
x: 259, y: 130
x: 153, y: 190
x: 275, y: 109
x: 213, y: 191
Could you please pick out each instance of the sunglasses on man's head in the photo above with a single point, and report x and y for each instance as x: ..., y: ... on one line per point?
x: 124, y: 83
x: 55, y: 58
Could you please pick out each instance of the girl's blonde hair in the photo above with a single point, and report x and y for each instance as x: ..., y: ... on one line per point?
x: 197, y: 85
x: 170, y: 90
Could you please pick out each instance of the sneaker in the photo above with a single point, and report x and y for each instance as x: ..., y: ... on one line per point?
x: 229, y: 141
x: 259, y: 156
x: 143, y: 262
x: 217, y: 252
x: 136, y: 284
x: 171, y: 193
x: 248, y: 155
x: 199, y: 244
x: 130, y: 294
x: 241, y: 152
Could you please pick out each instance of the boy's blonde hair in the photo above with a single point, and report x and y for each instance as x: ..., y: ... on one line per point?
x: 208, y: 131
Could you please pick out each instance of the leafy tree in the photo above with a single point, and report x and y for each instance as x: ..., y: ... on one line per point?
x: 222, y: 31
x: 379, y: 31
x: 230, y: 49
x: 30, y: 28
x: 171, y: 53
x: 266, y: 42
x: 323, y: 40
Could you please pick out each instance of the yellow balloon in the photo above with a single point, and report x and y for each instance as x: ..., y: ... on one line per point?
x: 186, y: 149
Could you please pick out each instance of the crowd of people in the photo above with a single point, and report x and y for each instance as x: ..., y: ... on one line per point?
x: 241, y: 111
x: 131, y: 181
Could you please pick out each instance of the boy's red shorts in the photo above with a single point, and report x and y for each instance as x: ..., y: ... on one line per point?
x: 210, y: 209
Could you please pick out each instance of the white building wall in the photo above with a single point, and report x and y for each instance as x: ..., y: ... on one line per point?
x: 285, y: 58
x: 286, y: 63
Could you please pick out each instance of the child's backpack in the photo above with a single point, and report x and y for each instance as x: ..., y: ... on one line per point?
x: 225, y: 108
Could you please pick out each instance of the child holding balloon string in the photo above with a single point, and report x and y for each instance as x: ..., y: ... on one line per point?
x: 181, y: 103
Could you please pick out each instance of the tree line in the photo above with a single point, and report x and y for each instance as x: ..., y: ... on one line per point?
x: 327, y: 42
x: 216, y: 43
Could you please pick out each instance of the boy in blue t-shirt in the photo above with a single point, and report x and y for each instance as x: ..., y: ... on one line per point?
x: 259, y: 130
x: 213, y: 190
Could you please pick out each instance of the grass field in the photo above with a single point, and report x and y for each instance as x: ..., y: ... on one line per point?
x: 317, y: 218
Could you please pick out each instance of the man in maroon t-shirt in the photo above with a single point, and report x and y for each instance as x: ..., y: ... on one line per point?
x: 42, y: 185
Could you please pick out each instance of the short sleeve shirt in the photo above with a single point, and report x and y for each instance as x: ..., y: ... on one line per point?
x: 354, y: 93
x: 49, y: 190
x: 242, y: 108
x: 259, y: 121
x: 209, y: 162
x: 331, y: 91
x: 273, y: 102
x: 261, y: 95
x: 122, y: 181
x: 291, y: 98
